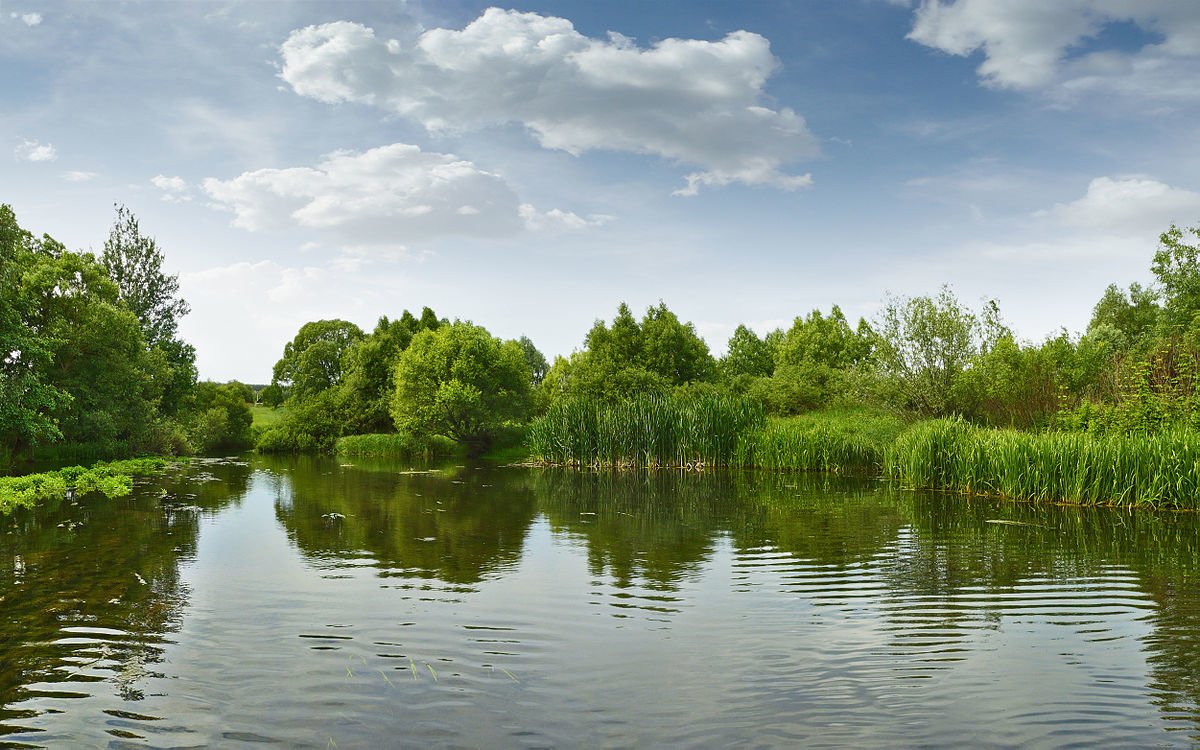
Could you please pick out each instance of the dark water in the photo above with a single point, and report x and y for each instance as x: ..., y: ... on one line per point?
x: 305, y: 604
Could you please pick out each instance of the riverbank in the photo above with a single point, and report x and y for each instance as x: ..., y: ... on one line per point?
x: 1160, y: 470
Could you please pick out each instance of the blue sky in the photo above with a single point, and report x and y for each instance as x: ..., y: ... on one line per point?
x: 530, y: 166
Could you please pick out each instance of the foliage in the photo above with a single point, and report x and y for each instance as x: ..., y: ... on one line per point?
x: 272, y: 395
x: 27, y: 398
x: 1125, y: 317
x: 1176, y: 266
x: 395, y: 445
x: 925, y: 344
x: 538, y: 366
x: 646, y: 431
x: 370, y: 370
x: 1161, y: 470
x: 834, y: 441
x: 748, y: 355
x: 134, y: 263
x: 631, y: 358
x: 113, y: 479
x: 220, y: 417
x: 461, y: 382
x: 314, y: 360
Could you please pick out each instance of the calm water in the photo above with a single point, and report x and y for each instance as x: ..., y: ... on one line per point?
x: 308, y: 604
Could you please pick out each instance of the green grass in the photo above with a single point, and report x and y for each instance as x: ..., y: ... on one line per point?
x: 648, y: 431
x: 113, y: 479
x: 266, y: 416
x: 838, y: 441
x: 396, y: 446
x: 1160, y: 470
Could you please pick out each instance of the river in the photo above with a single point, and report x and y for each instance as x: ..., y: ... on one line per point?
x: 307, y: 602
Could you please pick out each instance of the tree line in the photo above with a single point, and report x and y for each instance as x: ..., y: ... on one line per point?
x: 91, y: 361
x: 1133, y: 370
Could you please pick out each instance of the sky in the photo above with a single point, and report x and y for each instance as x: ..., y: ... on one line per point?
x: 527, y: 167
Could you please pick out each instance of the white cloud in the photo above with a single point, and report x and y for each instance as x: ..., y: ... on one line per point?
x: 174, y: 189
x: 538, y: 221
x: 386, y: 197
x: 35, y: 151
x: 79, y: 176
x: 29, y: 19
x: 1137, y: 207
x: 1034, y: 44
x: 693, y: 102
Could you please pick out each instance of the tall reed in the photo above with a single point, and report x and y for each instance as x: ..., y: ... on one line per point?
x: 1161, y: 470
x: 646, y: 431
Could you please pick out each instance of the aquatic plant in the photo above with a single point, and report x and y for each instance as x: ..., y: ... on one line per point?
x: 645, y: 431
x: 1161, y: 470
x: 395, y: 445
x: 112, y: 479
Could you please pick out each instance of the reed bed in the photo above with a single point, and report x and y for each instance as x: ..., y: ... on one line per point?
x: 1160, y: 470
x: 645, y: 432
x: 393, y: 445
x: 836, y: 442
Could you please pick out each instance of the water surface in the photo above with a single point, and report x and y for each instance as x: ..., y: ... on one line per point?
x: 307, y: 603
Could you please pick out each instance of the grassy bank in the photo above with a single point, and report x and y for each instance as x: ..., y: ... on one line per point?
x: 1161, y: 470
x: 113, y: 479
x: 396, y: 446
x: 841, y: 441
x: 266, y: 416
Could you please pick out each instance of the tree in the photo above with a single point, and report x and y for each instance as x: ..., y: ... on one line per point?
x: 748, y: 355
x: 924, y: 344
x: 99, y: 355
x: 27, y: 400
x: 461, y: 382
x: 538, y: 366
x: 134, y: 263
x: 314, y: 360
x: 1132, y: 314
x: 370, y: 370
x: 1176, y: 266
x: 272, y: 395
x: 220, y: 417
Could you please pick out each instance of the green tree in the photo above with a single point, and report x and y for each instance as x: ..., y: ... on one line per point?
x: 1176, y: 266
x: 99, y: 355
x: 272, y: 395
x: 220, y: 417
x: 134, y: 263
x: 370, y: 370
x: 27, y: 401
x: 924, y: 344
x: 314, y: 360
x: 538, y: 366
x: 461, y: 382
x: 748, y: 355
x: 1133, y: 314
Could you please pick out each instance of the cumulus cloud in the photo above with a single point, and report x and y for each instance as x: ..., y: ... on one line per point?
x: 385, y: 196
x: 1131, y: 206
x: 35, y: 151
x: 1033, y: 44
x: 29, y: 19
x: 697, y: 103
x: 174, y: 189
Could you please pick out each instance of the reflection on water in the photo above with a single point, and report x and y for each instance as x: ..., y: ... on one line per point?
x: 312, y: 604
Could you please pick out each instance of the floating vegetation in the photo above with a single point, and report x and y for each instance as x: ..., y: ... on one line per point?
x: 112, y: 479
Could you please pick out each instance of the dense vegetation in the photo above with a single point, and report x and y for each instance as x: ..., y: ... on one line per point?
x: 91, y: 363
x: 94, y: 367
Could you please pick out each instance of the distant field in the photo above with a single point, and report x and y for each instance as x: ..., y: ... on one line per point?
x: 265, y: 416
